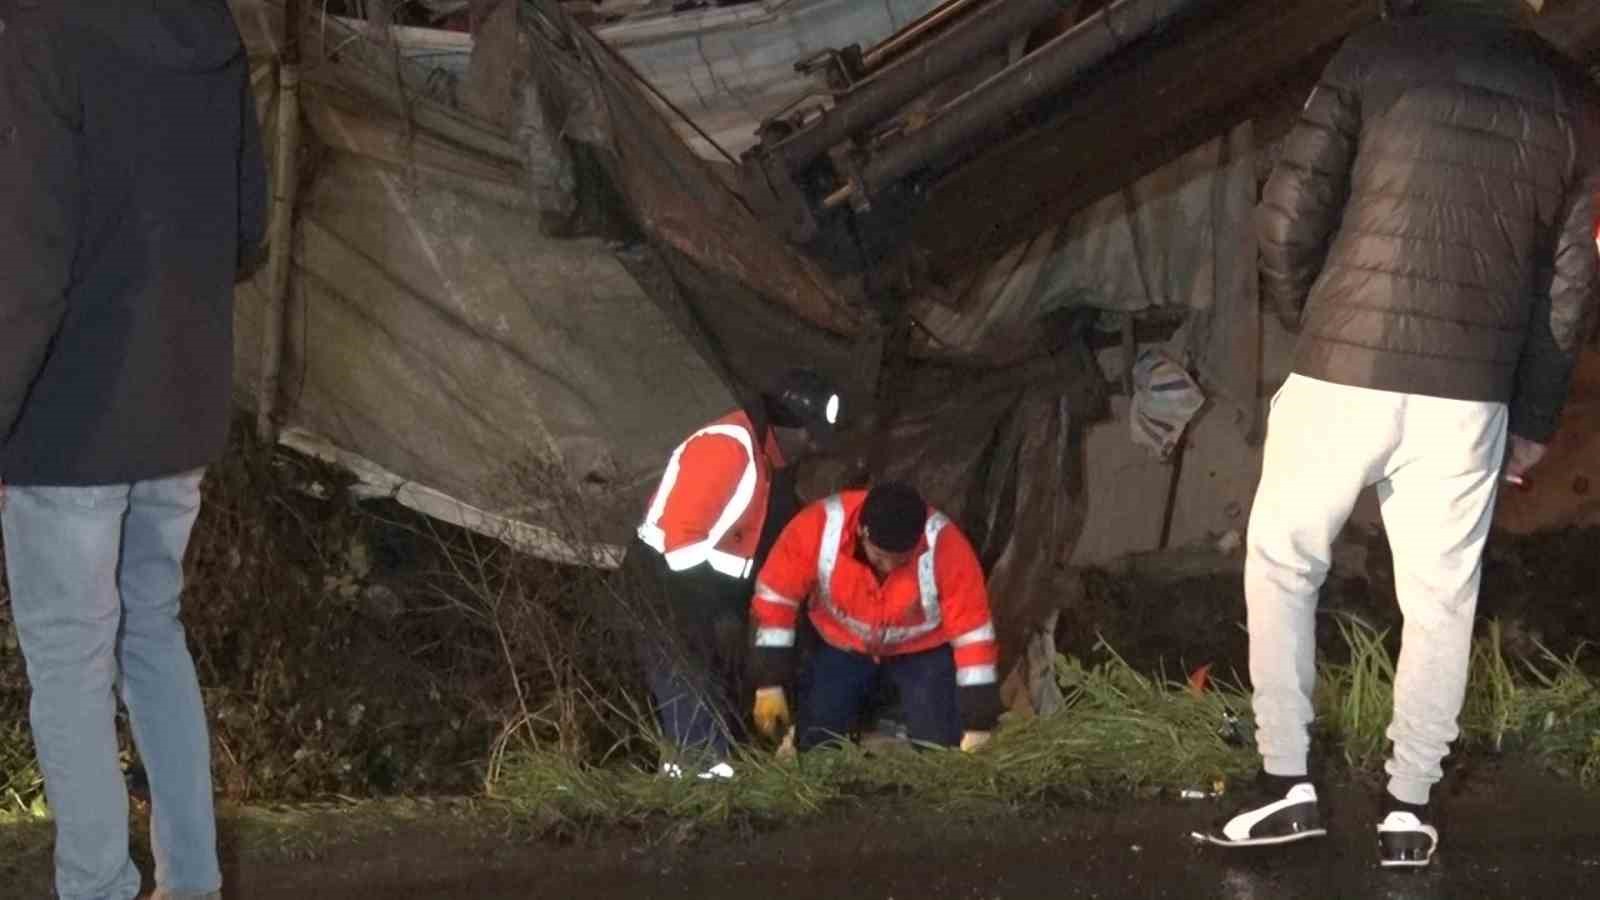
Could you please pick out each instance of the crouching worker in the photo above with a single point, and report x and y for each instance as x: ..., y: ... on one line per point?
x: 892, y: 587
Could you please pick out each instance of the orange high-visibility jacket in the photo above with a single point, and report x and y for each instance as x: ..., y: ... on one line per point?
x: 937, y: 598
x: 712, y: 499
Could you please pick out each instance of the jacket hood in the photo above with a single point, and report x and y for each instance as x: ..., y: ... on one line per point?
x: 187, y: 35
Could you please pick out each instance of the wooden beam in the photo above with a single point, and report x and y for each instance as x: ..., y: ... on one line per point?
x: 285, y: 182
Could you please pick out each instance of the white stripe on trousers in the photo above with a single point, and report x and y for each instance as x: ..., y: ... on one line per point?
x: 1436, y: 465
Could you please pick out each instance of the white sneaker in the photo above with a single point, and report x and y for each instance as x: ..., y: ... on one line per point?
x: 1405, y: 841
x: 1275, y: 811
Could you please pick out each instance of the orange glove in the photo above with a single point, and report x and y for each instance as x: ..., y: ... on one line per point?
x: 771, y: 712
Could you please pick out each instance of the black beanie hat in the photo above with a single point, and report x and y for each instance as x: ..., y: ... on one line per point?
x: 894, y: 515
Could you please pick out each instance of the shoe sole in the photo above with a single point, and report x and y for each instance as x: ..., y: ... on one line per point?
x: 1260, y: 842
x: 1387, y: 862
x: 1409, y: 863
x: 1405, y: 863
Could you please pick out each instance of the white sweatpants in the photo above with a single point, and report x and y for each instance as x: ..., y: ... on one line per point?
x: 1436, y: 464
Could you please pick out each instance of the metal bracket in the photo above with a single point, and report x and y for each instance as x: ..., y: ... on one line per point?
x: 838, y: 69
x: 858, y: 198
x: 773, y: 193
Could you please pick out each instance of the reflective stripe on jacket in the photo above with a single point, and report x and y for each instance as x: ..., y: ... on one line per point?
x: 712, y: 500
x: 937, y: 598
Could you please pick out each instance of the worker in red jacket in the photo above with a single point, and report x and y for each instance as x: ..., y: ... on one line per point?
x: 726, y: 494
x: 891, y: 587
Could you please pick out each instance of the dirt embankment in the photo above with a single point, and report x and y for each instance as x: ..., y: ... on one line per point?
x: 1186, y: 609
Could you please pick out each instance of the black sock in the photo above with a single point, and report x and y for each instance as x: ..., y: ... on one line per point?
x: 1391, y: 803
x: 1280, y: 784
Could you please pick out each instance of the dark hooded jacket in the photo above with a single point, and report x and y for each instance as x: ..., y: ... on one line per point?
x: 1430, y: 228
x: 131, y: 187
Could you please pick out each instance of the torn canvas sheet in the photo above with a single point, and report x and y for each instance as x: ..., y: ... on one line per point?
x: 1165, y: 398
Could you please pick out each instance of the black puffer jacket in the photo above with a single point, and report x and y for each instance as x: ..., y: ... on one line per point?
x: 131, y: 185
x: 1430, y: 228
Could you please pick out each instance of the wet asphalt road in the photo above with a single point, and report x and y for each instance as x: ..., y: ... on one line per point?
x: 1544, y: 844
x: 1508, y: 834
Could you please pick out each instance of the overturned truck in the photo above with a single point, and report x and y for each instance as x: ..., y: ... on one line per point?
x: 503, y: 289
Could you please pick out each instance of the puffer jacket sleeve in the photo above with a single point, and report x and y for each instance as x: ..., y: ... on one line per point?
x: 1305, y: 196
x: 1561, y: 318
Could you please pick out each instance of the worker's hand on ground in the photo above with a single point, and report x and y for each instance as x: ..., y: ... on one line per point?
x: 771, y: 712
x: 972, y: 740
x: 1521, y: 456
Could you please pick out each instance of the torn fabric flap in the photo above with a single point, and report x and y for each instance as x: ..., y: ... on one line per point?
x: 1165, y: 398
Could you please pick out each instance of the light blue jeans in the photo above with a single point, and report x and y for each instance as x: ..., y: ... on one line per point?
x: 95, y: 574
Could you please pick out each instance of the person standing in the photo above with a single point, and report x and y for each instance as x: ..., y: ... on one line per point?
x: 132, y: 190
x: 1430, y: 232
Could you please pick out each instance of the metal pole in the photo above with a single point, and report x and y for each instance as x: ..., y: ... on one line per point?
x: 881, y: 96
x: 895, y: 45
x: 284, y: 183
x: 1046, y: 71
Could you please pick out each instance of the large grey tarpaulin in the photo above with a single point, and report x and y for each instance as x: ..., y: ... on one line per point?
x: 433, y: 328
x: 1179, y: 238
x: 443, y: 322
